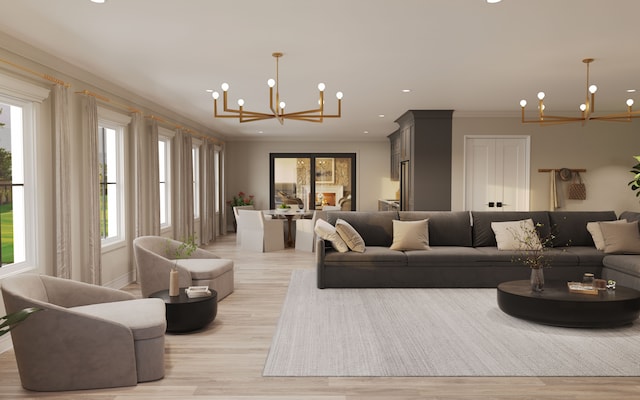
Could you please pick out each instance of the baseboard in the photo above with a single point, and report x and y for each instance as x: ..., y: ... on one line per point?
x: 121, y: 281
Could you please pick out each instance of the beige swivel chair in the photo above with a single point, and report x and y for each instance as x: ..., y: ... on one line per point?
x: 86, y: 336
x: 201, y: 268
x: 258, y: 233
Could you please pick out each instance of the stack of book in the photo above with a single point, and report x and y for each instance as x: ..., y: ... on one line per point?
x: 579, y: 287
x: 198, y: 291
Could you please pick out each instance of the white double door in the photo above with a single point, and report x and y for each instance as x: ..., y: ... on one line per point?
x: 497, y: 173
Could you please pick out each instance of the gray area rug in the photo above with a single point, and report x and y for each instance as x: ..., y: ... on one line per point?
x: 433, y: 332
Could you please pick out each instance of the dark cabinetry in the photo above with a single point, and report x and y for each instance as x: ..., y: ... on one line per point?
x: 423, y: 162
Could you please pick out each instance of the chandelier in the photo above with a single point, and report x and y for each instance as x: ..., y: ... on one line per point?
x: 276, y: 105
x: 587, y: 108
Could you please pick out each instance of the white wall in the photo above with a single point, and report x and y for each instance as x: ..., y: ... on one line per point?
x: 248, y: 168
x: 604, y: 149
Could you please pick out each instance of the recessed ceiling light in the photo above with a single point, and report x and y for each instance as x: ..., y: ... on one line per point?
x: 98, y: 1
x: 406, y: 90
x: 381, y: 115
x: 493, y: 1
x: 365, y: 132
x: 631, y: 90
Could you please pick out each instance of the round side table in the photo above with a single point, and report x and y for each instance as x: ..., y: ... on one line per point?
x: 186, y: 314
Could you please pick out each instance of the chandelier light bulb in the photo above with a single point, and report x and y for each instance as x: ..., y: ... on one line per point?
x: 583, y: 107
x: 523, y: 103
x: 321, y: 87
x: 271, y: 83
x: 215, y: 95
x: 225, y: 86
x: 629, y: 102
x: 593, y: 89
x: 339, y: 95
x: 282, y: 104
x: 540, y: 95
x: 240, y: 102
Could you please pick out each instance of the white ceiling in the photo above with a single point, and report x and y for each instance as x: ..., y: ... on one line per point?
x: 464, y: 55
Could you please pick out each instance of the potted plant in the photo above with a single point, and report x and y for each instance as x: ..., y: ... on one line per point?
x: 183, y: 250
x: 635, y: 182
x: 9, y: 321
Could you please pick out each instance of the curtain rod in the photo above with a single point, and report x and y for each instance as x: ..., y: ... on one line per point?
x: 188, y: 130
x: 107, y: 100
x: 46, y: 77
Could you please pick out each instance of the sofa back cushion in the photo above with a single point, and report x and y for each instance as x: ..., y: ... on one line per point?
x: 446, y: 228
x: 484, y: 236
x: 570, y: 227
x: 376, y: 228
x: 630, y: 216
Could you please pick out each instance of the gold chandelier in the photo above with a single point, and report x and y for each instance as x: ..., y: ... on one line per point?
x: 276, y: 105
x: 587, y: 108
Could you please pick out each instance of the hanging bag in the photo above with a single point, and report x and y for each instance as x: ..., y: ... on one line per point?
x: 577, y: 190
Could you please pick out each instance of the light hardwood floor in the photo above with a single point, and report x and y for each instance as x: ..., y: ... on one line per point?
x: 225, y: 360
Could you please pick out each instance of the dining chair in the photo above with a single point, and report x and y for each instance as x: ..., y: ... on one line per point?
x: 305, y: 235
x: 258, y: 233
x: 236, y: 217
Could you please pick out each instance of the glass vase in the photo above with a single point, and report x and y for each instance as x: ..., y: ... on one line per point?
x: 537, y: 280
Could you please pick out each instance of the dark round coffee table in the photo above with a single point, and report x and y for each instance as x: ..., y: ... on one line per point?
x: 186, y: 314
x: 557, y: 306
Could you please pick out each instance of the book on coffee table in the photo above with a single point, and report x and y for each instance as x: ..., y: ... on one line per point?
x: 198, y: 291
x: 579, y: 287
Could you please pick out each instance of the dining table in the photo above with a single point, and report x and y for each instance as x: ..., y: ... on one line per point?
x: 289, y: 214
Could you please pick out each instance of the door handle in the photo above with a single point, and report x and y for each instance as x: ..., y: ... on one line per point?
x: 491, y: 204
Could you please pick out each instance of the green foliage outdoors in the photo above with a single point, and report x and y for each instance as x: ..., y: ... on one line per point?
x: 6, y: 235
x: 5, y: 165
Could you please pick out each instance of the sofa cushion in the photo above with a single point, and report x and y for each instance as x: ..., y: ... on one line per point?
x: 350, y: 236
x: 516, y: 235
x: 621, y: 238
x: 570, y: 227
x: 410, y: 235
x: 628, y: 264
x: 446, y: 228
x: 483, y: 234
x: 440, y: 256
x: 630, y: 216
x: 376, y: 228
x: 328, y: 232
x: 145, y: 317
x: 374, y: 256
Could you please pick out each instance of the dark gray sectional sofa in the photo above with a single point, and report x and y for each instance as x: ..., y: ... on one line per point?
x: 463, y: 251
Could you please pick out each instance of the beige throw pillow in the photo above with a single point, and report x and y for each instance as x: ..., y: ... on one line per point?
x: 410, y: 235
x: 596, y: 232
x: 516, y: 235
x: 328, y: 232
x: 621, y: 238
x: 350, y: 236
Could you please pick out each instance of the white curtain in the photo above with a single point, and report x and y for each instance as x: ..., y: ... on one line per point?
x: 62, y: 267
x: 92, y: 271
x: 207, y: 193
x: 146, y: 181
x: 183, y: 185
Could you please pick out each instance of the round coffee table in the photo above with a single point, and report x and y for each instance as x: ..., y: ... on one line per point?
x: 184, y: 313
x: 557, y: 306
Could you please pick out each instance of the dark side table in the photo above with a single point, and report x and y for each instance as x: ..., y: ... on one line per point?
x: 186, y: 314
x: 556, y: 305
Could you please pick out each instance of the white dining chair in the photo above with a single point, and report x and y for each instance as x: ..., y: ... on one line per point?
x: 236, y: 215
x: 305, y: 235
x: 258, y: 233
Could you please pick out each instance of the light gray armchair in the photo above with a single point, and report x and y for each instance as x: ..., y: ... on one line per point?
x: 201, y: 268
x: 86, y: 336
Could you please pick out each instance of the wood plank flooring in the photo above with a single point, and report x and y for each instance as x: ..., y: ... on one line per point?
x: 225, y: 360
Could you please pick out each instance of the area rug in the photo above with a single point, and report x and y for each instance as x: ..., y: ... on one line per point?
x: 433, y: 332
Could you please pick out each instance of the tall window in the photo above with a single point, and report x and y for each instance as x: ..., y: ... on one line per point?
x: 12, y: 186
x: 164, y: 163
x: 110, y: 138
x: 195, y: 159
